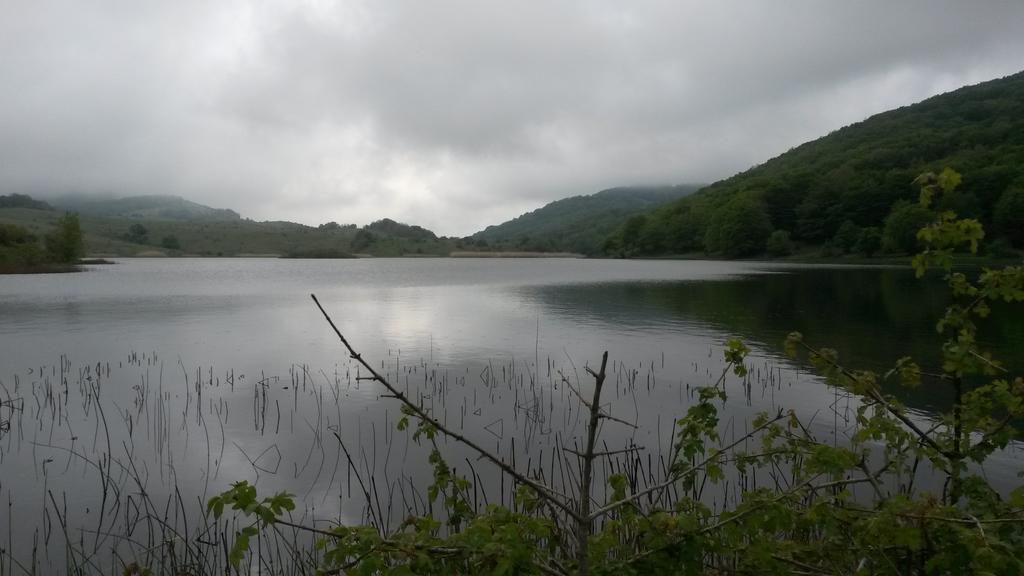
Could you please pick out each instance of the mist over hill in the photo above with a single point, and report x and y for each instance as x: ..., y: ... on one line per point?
x: 151, y: 207
x: 850, y: 191
x: 832, y: 191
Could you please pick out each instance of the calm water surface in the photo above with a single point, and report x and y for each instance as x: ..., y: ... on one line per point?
x: 257, y: 312
x: 205, y: 371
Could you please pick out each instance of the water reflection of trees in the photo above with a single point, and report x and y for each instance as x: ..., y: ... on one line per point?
x: 871, y: 316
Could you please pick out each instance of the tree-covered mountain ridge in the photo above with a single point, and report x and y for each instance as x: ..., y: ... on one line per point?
x: 853, y: 189
x: 163, y: 224
x: 578, y: 224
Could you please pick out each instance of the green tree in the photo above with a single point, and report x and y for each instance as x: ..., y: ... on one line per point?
x: 846, y: 237
x: 652, y: 238
x: 818, y: 214
x: 685, y: 229
x: 1008, y: 215
x: 965, y: 204
x: 171, y: 242
x: 779, y: 244
x: 19, y: 247
x: 64, y: 244
x: 902, y: 224
x: 738, y: 228
x: 137, y: 233
x: 363, y: 239
x: 12, y: 235
x: 869, y: 241
x: 631, y: 233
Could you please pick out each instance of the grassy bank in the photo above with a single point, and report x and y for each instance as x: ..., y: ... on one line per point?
x: 38, y: 268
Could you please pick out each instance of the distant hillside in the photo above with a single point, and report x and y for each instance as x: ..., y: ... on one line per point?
x: 577, y: 224
x: 839, y: 189
x: 141, y: 233
x: 23, y: 201
x: 145, y: 207
x: 389, y: 227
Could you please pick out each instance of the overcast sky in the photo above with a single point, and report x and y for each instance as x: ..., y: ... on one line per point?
x: 454, y: 115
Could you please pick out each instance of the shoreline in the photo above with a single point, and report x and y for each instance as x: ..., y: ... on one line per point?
x: 883, y: 261
x: 511, y: 254
x: 40, y: 269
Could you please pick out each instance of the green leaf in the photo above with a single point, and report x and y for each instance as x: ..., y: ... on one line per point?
x: 792, y: 344
x: 949, y: 179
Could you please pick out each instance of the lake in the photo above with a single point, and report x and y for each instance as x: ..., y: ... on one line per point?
x: 172, y: 378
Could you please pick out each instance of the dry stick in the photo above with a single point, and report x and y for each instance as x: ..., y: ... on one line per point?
x: 379, y: 546
x: 588, y: 404
x: 875, y: 395
x: 958, y: 440
x: 808, y: 567
x: 989, y: 362
x: 607, y: 452
x: 584, y: 523
x: 542, y: 490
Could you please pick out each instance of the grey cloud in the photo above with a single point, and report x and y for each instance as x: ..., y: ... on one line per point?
x: 458, y: 114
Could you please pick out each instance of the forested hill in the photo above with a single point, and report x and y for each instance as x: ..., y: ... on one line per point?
x: 847, y: 191
x: 155, y: 207
x: 578, y: 224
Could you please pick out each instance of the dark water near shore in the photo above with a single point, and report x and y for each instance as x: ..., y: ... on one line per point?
x: 184, y: 375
